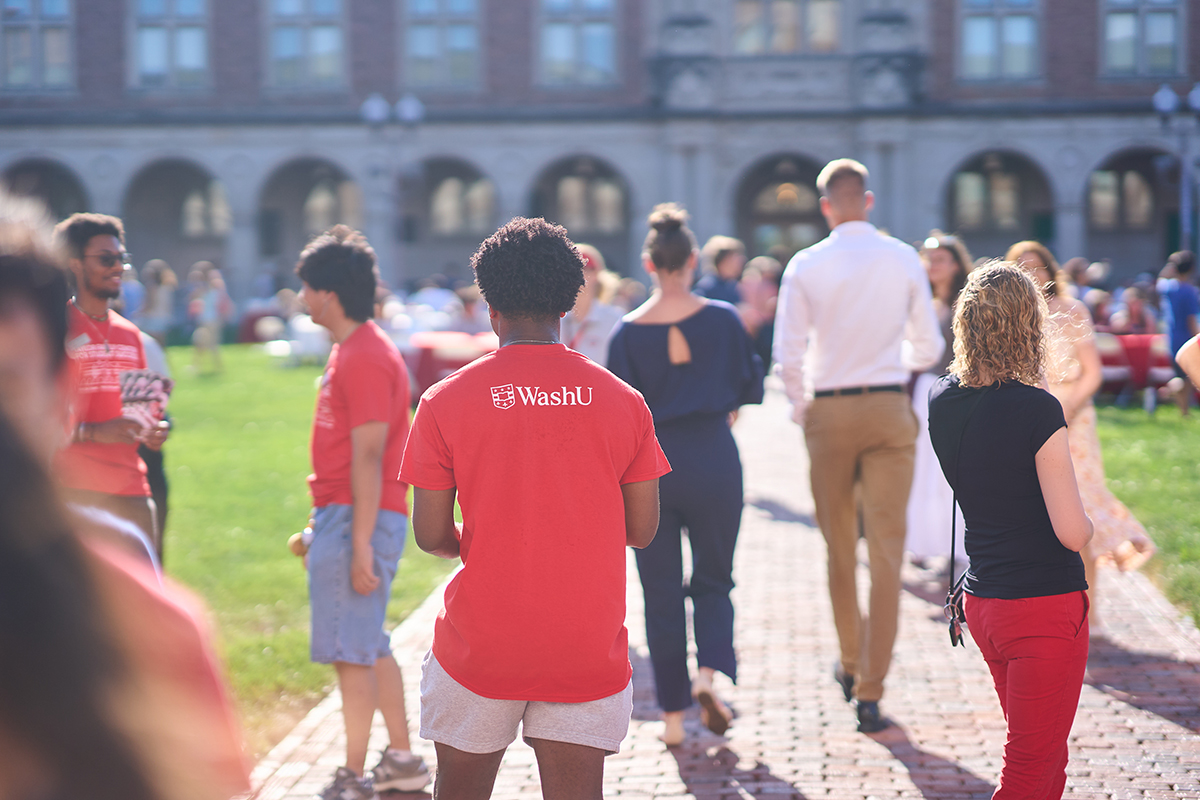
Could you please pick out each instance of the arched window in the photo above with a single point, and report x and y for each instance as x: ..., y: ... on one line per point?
x: 52, y: 183
x: 460, y: 201
x: 591, y: 200
x: 778, y: 209
x: 998, y: 198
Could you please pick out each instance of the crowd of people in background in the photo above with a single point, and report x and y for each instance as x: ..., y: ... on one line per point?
x: 863, y: 330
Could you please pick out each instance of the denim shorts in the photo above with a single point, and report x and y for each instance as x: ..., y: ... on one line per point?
x: 454, y: 715
x: 348, y: 626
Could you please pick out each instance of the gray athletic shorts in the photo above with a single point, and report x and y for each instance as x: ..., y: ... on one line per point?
x: 454, y: 715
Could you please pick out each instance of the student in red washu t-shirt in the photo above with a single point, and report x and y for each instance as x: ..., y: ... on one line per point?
x: 101, y: 467
x: 555, y: 465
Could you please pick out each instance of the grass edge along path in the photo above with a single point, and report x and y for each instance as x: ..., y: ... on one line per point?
x: 1152, y: 462
x: 237, y: 461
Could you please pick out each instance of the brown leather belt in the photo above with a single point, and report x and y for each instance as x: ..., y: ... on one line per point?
x: 849, y: 390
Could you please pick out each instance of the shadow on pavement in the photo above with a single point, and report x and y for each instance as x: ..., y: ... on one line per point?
x: 780, y: 512
x: 934, y: 776
x: 709, y: 776
x: 1158, y: 684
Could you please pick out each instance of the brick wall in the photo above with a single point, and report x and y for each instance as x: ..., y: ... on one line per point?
x: 1070, y: 53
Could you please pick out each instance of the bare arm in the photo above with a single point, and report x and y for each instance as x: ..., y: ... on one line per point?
x: 434, y: 527
x: 1091, y: 374
x: 1188, y: 358
x: 367, y: 443
x: 641, y: 512
x: 1056, y: 476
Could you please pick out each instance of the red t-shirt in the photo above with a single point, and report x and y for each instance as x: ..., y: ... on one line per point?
x: 167, y: 644
x: 365, y: 381
x: 99, y: 352
x: 538, y: 441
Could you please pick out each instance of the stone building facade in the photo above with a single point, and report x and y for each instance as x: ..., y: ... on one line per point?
x: 231, y: 130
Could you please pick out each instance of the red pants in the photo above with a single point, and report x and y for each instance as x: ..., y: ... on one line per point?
x: 1037, y: 650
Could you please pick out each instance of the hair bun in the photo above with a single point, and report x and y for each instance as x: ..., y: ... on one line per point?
x: 667, y: 217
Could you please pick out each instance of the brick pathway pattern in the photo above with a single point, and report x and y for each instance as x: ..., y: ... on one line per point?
x: 1137, y: 733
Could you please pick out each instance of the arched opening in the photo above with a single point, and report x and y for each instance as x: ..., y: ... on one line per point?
x: 590, y: 199
x: 449, y: 206
x: 301, y: 199
x: 177, y: 211
x: 1132, y: 207
x: 778, y: 210
x: 998, y: 198
x: 50, y: 182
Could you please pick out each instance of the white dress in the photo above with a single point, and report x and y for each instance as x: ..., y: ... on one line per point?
x: 929, y: 501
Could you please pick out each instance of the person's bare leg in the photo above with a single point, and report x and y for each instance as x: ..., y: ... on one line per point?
x: 464, y: 776
x: 391, y: 701
x: 569, y: 771
x: 359, y: 695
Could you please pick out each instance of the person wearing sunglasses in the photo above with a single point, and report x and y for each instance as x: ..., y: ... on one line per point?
x: 101, y: 468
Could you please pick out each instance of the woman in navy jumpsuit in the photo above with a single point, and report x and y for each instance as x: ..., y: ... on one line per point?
x: 695, y: 364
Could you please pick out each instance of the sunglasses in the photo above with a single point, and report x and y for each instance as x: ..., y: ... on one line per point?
x: 110, y: 260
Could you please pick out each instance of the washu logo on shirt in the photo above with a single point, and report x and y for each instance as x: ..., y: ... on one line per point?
x: 506, y: 396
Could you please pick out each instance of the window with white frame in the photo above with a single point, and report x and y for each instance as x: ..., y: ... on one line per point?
x: 785, y: 26
x: 578, y: 42
x: 170, y: 43
x: 442, y: 43
x: 306, y: 43
x: 999, y: 40
x: 1141, y: 37
x: 35, y: 44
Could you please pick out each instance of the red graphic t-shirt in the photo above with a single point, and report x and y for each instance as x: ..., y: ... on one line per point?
x: 538, y: 441
x: 365, y: 381
x: 99, y: 352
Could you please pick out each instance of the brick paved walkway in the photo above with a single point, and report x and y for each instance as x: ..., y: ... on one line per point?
x: 1137, y: 733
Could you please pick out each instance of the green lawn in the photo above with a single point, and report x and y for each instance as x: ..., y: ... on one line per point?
x: 1153, y: 465
x: 236, y: 462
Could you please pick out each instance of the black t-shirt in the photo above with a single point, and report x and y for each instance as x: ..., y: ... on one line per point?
x: 1014, y: 552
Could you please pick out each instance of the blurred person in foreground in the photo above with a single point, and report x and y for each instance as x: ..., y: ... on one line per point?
x: 1002, y: 443
x: 1073, y: 375
x: 101, y: 466
x: 109, y: 686
x: 693, y: 361
x: 555, y: 464
x: 360, y: 511
x: 855, y: 319
x: 590, y: 325
x: 1181, y: 312
x: 930, y: 502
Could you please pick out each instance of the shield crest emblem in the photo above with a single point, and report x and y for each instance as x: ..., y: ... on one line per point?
x: 504, y: 396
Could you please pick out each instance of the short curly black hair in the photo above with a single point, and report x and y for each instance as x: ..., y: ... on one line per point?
x: 529, y: 269
x: 343, y: 262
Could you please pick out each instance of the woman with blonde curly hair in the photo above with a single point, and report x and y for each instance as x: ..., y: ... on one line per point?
x: 1073, y: 375
x: 1002, y: 443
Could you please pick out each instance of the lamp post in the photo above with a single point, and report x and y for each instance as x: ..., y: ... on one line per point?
x: 1168, y: 104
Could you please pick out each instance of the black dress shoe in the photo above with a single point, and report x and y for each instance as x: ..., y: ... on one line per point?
x: 845, y: 680
x: 869, y: 719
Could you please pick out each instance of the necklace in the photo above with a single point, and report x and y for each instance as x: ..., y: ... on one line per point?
x: 96, y: 328
x: 529, y: 341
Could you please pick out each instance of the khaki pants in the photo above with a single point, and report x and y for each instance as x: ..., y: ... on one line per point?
x: 867, y: 438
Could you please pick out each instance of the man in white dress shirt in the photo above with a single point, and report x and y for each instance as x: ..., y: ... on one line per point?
x: 854, y: 318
